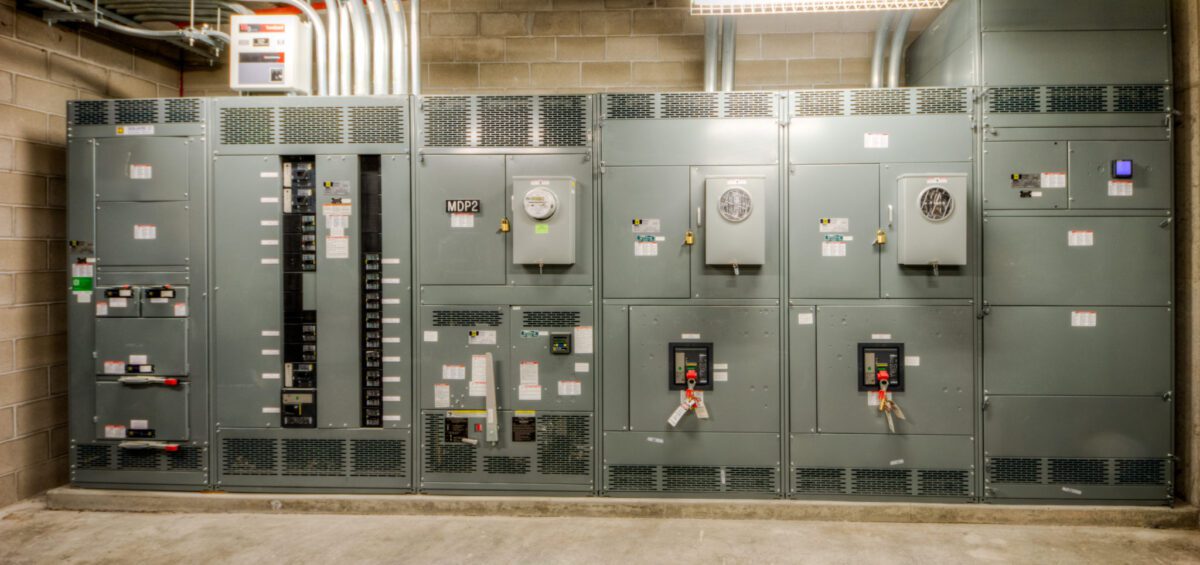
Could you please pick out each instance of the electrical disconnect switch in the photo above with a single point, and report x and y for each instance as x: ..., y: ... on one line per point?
x: 560, y: 344
x: 691, y: 362
x: 878, y: 359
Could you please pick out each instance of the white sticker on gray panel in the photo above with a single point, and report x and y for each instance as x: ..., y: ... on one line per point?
x: 481, y: 337
x: 431, y: 336
x: 1081, y: 238
x: 570, y: 388
x: 647, y: 225
x: 441, y: 395
x: 583, y: 340
x: 1083, y: 319
x: 141, y: 171
x: 804, y: 318
x: 145, y: 231
x: 834, y: 225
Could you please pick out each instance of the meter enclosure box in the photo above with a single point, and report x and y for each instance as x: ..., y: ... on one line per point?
x: 543, y: 211
x: 932, y: 219
x: 736, y: 221
x: 270, y: 54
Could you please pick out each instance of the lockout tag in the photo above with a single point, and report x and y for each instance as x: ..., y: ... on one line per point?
x: 891, y: 424
x: 677, y: 415
x: 701, y: 406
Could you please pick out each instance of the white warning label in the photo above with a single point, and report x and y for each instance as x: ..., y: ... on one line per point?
x: 145, y: 231
x: 1081, y: 238
x: 833, y: 249
x: 1083, y: 319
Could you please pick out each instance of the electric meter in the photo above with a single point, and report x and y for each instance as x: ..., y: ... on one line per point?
x: 735, y: 204
x: 935, y: 203
x: 540, y: 203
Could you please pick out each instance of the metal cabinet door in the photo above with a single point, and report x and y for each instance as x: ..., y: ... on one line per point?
x: 450, y: 338
x: 580, y: 169
x: 938, y: 395
x: 247, y: 322
x: 143, y: 169
x: 1077, y: 260
x: 118, y: 306
x: 160, y: 307
x: 130, y: 234
x: 834, y: 212
x: 745, y: 347
x: 920, y: 281
x: 538, y: 379
x: 1020, y: 58
x: 658, y: 266
x: 465, y: 249
x: 1091, y: 175
x: 142, y: 412
x: 720, y: 281
x: 1077, y: 426
x: 1093, y: 351
x: 1003, y: 159
x: 159, y: 342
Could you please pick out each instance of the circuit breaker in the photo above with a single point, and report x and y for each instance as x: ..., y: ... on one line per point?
x: 691, y: 366
x: 543, y: 220
x: 735, y: 221
x: 932, y: 216
x: 270, y: 53
x: 878, y: 362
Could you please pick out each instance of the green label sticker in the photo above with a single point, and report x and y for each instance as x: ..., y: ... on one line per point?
x: 541, y: 228
x: 530, y: 333
x: 81, y: 284
x: 645, y: 238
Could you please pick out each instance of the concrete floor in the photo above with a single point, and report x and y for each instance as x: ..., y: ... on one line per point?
x: 29, y: 533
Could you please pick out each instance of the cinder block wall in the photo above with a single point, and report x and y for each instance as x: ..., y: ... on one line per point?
x: 41, y: 68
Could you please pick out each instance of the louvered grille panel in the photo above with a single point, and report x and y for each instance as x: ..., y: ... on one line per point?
x: 376, y: 124
x: 943, y: 482
x: 811, y: 480
x: 749, y: 105
x: 187, y: 458
x: 448, y: 121
x: 1070, y: 99
x: 249, y: 456
x: 879, y: 102
x: 182, y: 110
x: 549, y: 319
x: 1014, y: 470
x: 247, y: 126
x: 137, y: 459
x: 1139, y: 98
x: 880, y: 481
x: 691, y: 478
x: 93, y: 456
x: 632, y: 478
x: 1015, y: 100
x: 378, y: 458
x: 690, y: 105
x: 629, y: 106
x: 1078, y: 471
x: 137, y: 111
x: 89, y: 112
x: 941, y: 101
x: 311, y: 125
x: 563, y: 121
x: 750, y: 479
x: 505, y: 465
x: 564, y: 444
x: 817, y: 103
x: 313, y: 457
x: 1141, y: 472
x: 467, y: 318
x: 505, y: 121
x: 442, y: 457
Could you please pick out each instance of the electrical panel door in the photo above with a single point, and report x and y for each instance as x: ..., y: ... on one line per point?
x: 146, y: 410
x: 646, y: 218
x: 141, y: 169
x: 131, y: 234
x: 1120, y: 174
x: 833, y: 218
x: 543, y: 221
x: 932, y: 214
x: 460, y: 208
x: 1025, y: 175
x: 736, y: 227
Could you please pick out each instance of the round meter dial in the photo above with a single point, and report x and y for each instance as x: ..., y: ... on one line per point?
x: 735, y: 204
x: 540, y: 203
x: 936, y: 203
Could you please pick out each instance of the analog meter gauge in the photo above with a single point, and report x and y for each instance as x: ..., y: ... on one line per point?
x: 935, y: 203
x: 735, y: 204
x: 540, y: 203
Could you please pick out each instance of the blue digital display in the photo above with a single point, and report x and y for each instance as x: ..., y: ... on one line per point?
x: 1122, y: 169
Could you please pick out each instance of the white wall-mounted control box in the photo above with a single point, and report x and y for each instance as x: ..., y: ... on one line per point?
x: 270, y: 54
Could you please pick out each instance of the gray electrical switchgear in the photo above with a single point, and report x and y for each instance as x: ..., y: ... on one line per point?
x: 137, y: 311
x: 692, y: 334
x: 312, y: 294
x: 504, y: 223
x: 882, y: 391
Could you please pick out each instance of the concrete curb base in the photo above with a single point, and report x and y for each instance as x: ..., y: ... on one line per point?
x: 1182, y: 516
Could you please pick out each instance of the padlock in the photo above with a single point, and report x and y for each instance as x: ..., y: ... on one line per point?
x: 504, y: 225
x: 880, y: 237
x: 689, y: 238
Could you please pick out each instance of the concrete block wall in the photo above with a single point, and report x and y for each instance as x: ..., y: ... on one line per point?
x: 41, y: 68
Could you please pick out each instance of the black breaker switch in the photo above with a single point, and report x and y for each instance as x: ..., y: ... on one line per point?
x: 560, y: 344
x: 690, y: 360
x: 877, y: 358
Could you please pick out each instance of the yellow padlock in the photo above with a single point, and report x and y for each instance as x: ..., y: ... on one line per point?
x: 504, y: 225
x: 689, y: 238
x: 880, y: 237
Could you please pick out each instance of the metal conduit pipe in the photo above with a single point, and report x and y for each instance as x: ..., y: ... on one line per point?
x: 236, y: 8
x: 73, y: 9
x: 711, y: 27
x: 380, y: 51
x: 362, y: 49
x: 318, y: 31
x: 69, y: 12
x: 332, y: 10
x: 899, y: 36
x: 395, y: 12
x: 414, y: 44
x: 881, y: 35
x: 728, y: 51
x: 345, y: 50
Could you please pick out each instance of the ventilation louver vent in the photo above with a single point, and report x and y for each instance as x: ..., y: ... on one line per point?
x: 689, y: 105
x: 314, y: 457
x: 879, y: 102
x: 466, y: 318
x: 1138, y: 98
x: 137, y: 459
x: 505, y: 465
x: 818, y: 103
x: 811, y: 480
x: 137, y: 111
x: 564, y: 445
x: 109, y: 457
x: 92, y: 456
x: 505, y: 121
x: 311, y: 125
x: 549, y: 319
x: 943, y: 483
x: 442, y: 457
x: 941, y: 101
x: 144, y: 111
x: 691, y: 479
x: 946, y: 483
x: 182, y: 110
x: 376, y: 124
x: 1064, y: 471
x: 89, y: 113
x: 247, y: 126
x: 880, y: 482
